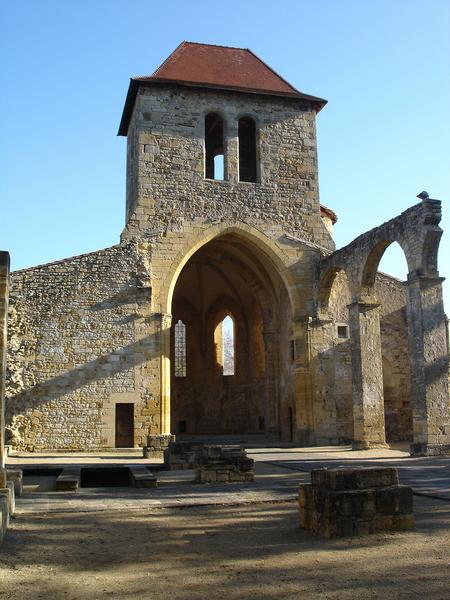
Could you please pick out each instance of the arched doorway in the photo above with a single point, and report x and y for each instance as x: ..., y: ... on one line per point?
x: 230, y: 333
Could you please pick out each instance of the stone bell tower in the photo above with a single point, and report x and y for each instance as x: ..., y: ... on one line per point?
x: 215, y: 133
x: 221, y: 149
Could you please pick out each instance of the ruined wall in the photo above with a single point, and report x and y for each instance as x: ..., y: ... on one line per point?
x: 171, y: 203
x: 391, y: 294
x: 331, y: 370
x: 331, y: 364
x: 76, y: 348
x: 167, y: 185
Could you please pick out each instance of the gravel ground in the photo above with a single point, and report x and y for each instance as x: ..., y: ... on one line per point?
x: 224, y: 552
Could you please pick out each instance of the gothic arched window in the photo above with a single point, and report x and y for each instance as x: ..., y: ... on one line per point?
x: 214, y: 147
x: 224, y: 339
x: 247, y: 149
x: 180, y: 349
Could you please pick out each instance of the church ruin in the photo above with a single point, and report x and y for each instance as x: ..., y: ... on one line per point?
x: 226, y: 310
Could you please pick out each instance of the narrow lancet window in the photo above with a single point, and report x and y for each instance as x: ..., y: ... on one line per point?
x: 180, y: 349
x: 247, y: 149
x: 214, y: 147
x: 224, y: 340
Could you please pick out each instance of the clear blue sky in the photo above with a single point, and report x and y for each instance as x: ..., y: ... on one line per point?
x: 384, y: 67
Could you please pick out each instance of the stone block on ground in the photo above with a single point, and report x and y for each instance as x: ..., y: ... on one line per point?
x: 354, y: 479
x: 8, y: 492
x: 69, y: 479
x: 157, y: 446
x: 140, y: 477
x: 184, y: 455
x: 225, y: 464
x: 342, y: 502
x: 16, y: 476
x: 4, y: 512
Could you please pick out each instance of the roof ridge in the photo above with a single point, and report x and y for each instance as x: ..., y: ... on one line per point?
x: 274, y: 72
x: 214, y: 45
x: 217, y: 67
x: 186, y: 43
x: 166, y: 60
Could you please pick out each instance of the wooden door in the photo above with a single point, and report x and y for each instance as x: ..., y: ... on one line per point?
x: 125, y: 425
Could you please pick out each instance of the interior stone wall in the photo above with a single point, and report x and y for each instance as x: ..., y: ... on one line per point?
x: 221, y: 279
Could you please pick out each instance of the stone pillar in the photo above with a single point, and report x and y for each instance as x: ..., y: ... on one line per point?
x: 429, y: 366
x: 4, y: 295
x: 166, y: 321
x: 367, y: 376
x: 231, y: 167
x: 304, y: 426
x: 322, y: 365
x: 271, y: 342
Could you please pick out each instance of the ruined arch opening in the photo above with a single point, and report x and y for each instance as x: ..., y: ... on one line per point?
x: 238, y: 317
x: 333, y: 405
x: 391, y: 293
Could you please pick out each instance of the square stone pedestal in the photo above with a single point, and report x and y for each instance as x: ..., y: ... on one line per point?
x: 342, y: 502
x: 157, y: 446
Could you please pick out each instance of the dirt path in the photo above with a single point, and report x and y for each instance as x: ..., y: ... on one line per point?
x: 252, y: 551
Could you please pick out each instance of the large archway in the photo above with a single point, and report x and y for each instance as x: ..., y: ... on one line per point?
x: 231, y: 321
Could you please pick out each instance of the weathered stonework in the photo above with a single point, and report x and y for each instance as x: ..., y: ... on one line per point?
x: 166, y: 183
x: 77, y: 349
x: 418, y: 233
x: 345, y: 502
x: 323, y: 345
x: 224, y: 464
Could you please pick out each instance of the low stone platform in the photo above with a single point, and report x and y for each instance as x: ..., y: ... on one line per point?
x: 157, y: 446
x: 342, y: 502
x: 141, y: 477
x: 224, y: 464
x: 184, y: 455
x: 69, y: 480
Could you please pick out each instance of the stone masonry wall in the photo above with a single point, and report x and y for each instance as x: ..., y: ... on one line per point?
x: 167, y: 186
x: 331, y: 365
x: 74, y: 351
x: 391, y: 294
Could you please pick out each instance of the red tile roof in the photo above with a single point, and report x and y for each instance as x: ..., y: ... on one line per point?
x: 205, y: 65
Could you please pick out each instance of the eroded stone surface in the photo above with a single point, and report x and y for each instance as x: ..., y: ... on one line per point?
x: 342, y: 502
x: 317, y: 360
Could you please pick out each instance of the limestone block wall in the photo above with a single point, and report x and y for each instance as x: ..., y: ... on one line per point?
x: 391, y: 294
x: 79, y: 343
x: 166, y: 173
x: 331, y: 364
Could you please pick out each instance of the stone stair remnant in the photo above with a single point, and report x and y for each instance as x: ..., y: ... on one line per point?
x: 342, y: 502
x: 8, y: 493
x: 16, y: 476
x: 4, y: 516
x: 157, y: 446
x: 224, y: 464
x: 69, y: 479
x: 184, y: 455
x: 140, y: 477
